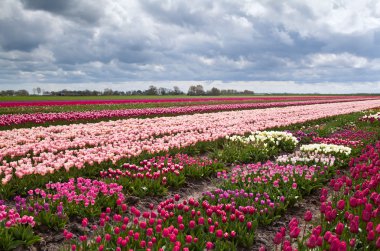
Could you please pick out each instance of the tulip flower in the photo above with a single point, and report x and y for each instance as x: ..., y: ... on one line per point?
x: 308, y: 216
x: 339, y: 228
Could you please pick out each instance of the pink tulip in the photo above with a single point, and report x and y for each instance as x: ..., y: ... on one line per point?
x: 294, y: 233
x: 308, y: 216
x: 209, y: 245
x: 339, y: 228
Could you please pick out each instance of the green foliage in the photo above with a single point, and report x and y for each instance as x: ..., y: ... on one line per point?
x: 142, y: 187
x: 238, y: 152
x: 17, y: 236
x: 50, y: 221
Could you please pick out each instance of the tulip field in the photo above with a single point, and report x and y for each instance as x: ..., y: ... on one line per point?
x: 26, y: 114
x: 210, y: 175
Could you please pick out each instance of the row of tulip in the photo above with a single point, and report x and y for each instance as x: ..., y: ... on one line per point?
x: 169, y: 100
x: 51, y: 208
x: 267, y: 138
x: 308, y: 158
x: 41, y: 118
x: 350, y: 213
x: 46, y: 150
x: 338, y: 141
x: 327, y: 152
x: 353, y: 134
x: 256, y: 146
x: 154, y: 176
x: 371, y: 117
x: 98, y: 107
x: 304, y: 137
x: 223, y: 220
x: 326, y: 149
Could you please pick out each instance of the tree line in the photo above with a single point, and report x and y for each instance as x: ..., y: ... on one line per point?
x: 194, y: 90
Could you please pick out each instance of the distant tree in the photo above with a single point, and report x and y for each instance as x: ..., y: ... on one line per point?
x: 38, y: 90
x: 196, y: 90
x: 200, y: 90
x: 95, y: 93
x: 152, y: 90
x: 107, y: 92
x: 22, y: 92
x: 10, y: 92
x: 138, y: 92
x: 34, y: 91
x: 177, y: 91
x: 229, y: 92
x: 214, y: 92
x: 248, y: 92
x: 7, y: 93
x: 163, y: 91
x: 63, y: 92
x: 86, y: 92
x: 192, y: 90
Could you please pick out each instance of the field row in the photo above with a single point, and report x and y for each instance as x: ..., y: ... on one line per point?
x: 8, y: 121
x: 42, y: 150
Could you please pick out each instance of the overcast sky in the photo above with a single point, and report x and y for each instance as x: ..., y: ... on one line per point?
x: 262, y: 45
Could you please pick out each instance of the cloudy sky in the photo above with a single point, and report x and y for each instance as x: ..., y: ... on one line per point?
x: 263, y: 45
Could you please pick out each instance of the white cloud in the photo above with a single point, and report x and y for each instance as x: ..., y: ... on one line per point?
x: 345, y: 60
x: 206, y: 60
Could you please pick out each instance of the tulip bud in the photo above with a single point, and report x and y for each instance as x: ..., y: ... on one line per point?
x: 308, y: 216
x: 339, y: 228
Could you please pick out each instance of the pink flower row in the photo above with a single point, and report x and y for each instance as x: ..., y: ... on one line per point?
x: 264, y: 173
x: 337, y: 141
x: 77, y: 145
x: 78, y: 190
x: 40, y: 118
x: 353, y: 134
x: 156, y: 168
x: 166, y: 100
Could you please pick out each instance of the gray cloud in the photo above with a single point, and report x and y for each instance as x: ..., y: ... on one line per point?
x: 85, y: 11
x: 58, y: 6
x: 117, y: 41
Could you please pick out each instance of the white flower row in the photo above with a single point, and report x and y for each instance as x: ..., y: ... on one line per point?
x: 374, y: 116
x: 274, y: 137
x: 326, y: 149
x: 306, y: 157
